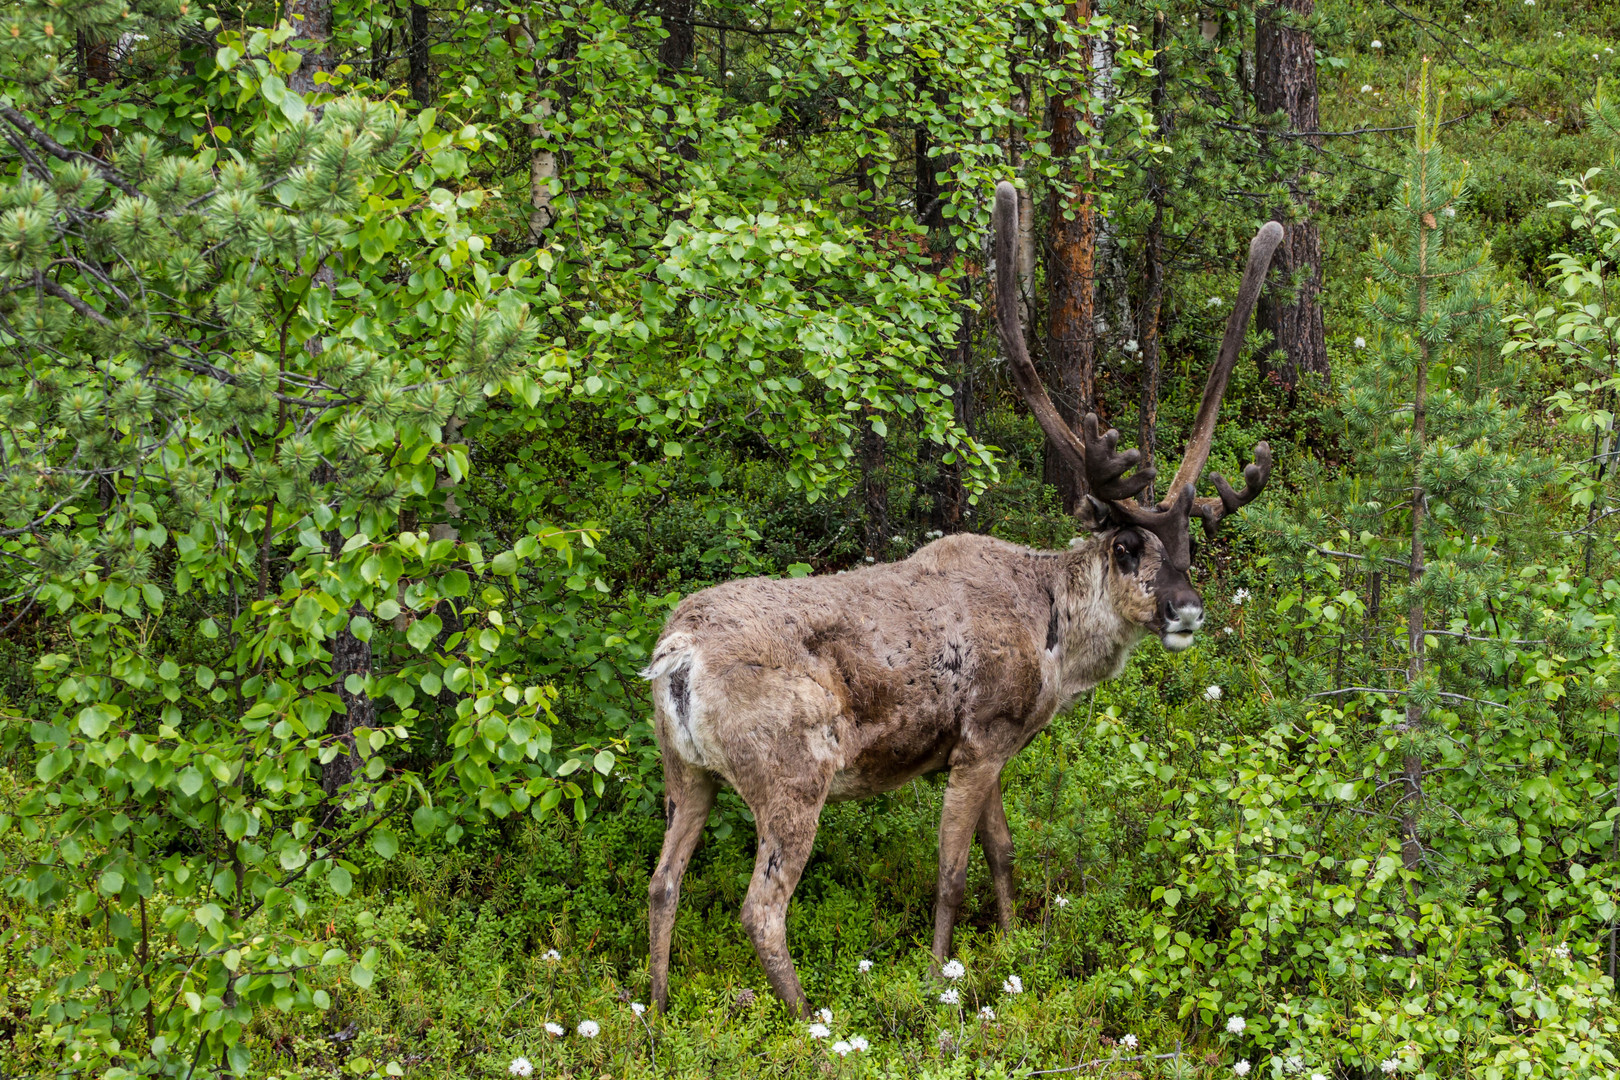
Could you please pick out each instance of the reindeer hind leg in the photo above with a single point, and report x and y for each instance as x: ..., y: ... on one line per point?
x: 688, y: 796
x: 787, y: 831
x: 996, y: 840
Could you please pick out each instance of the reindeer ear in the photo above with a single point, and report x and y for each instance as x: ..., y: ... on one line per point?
x: 1101, y: 518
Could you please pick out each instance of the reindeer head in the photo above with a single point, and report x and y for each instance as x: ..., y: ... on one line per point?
x: 1150, y: 547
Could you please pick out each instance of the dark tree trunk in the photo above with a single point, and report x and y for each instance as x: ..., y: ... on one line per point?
x: 350, y: 656
x: 1072, y: 272
x: 1147, y: 331
x: 1285, y: 81
x: 675, y: 52
x: 942, y: 483
x: 874, y: 488
x: 313, y: 20
x: 421, y: 68
x: 950, y: 494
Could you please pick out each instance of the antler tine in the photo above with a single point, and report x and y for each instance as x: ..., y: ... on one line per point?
x: 1105, y: 470
x: 1255, y: 475
x: 1005, y: 216
x: 1203, y: 434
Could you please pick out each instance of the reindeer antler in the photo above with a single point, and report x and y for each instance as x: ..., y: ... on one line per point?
x: 1196, y: 456
x: 1105, y: 470
x: 1094, y: 457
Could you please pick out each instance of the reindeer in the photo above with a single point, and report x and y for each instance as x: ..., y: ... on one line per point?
x: 800, y: 692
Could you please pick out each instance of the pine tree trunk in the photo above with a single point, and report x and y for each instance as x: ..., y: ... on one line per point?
x: 95, y: 61
x: 1147, y: 331
x: 421, y: 68
x: 313, y: 20
x: 1285, y: 81
x: 1072, y: 273
x: 675, y: 51
x: 1411, y: 803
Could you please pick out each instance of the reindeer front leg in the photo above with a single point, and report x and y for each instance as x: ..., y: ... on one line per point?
x: 967, y: 790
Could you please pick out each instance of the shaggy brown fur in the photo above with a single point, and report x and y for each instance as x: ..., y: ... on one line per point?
x: 796, y: 692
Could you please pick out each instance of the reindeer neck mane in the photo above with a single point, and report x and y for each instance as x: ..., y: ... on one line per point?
x: 1090, y: 637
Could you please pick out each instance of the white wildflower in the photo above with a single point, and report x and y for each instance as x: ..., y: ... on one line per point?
x: 1236, y: 1024
x: 1012, y: 985
x: 1242, y: 1067
x: 1317, y: 1076
x: 1241, y: 597
x: 1391, y: 1065
x: 864, y: 966
x: 1529, y: 3
x: 1361, y: 343
x: 1128, y: 1042
x: 1061, y: 901
x: 898, y: 539
x: 1558, y: 33
x: 520, y: 1067
x: 1451, y: 211
x: 953, y: 969
x: 842, y: 1048
x: 819, y: 1031
x: 950, y: 997
x: 1228, y: 630
x: 1212, y: 693
x: 638, y: 1008
x: 1562, y: 952
x: 552, y: 956
x: 869, y: 558
x: 1214, y: 301
x: 859, y: 1042
x: 1295, y: 1064
x: 554, y: 1029
x: 987, y: 1013
x: 824, y: 1015
x: 589, y: 1028
x: 1366, y: 88
x: 1377, y: 44
x: 1131, y: 346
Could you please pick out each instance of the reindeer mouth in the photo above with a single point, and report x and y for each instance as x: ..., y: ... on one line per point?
x: 1177, y: 640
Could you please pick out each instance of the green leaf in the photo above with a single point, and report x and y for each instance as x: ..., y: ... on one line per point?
x: 361, y: 976
x: 385, y: 843
x: 95, y: 719
x: 340, y: 880
x: 604, y: 762
x: 421, y: 633
x: 423, y: 820
x: 505, y: 564
x: 112, y: 882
